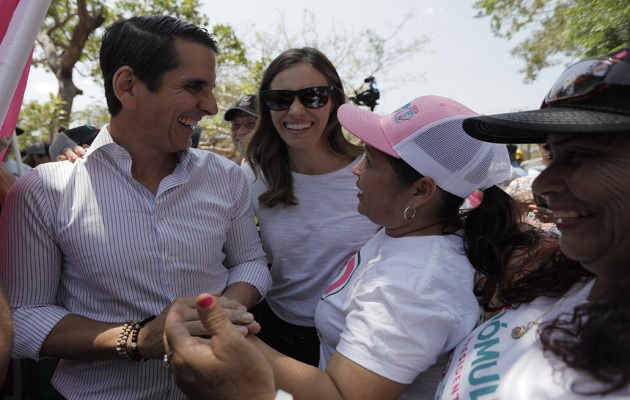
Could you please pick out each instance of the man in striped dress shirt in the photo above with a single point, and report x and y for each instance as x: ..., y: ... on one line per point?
x: 91, y: 250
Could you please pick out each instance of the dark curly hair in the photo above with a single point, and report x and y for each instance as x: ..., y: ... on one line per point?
x: 595, y: 339
x: 493, y: 234
x: 515, y: 262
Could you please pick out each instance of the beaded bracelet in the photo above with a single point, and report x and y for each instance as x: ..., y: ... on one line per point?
x: 135, y: 354
x: 121, y: 342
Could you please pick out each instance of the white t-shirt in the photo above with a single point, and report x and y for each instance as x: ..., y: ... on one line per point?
x: 307, y: 243
x: 398, y: 307
x: 482, y: 362
x: 535, y: 376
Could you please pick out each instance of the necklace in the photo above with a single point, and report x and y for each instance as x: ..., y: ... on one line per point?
x: 520, y: 330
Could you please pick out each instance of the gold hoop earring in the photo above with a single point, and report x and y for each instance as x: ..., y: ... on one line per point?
x: 408, y: 210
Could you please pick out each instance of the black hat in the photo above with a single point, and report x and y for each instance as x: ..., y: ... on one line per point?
x: 590, y: 97
x: 246, y: 103
x: 78, y: 136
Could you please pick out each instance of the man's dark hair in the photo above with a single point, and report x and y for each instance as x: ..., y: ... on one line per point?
x: 147, y: 45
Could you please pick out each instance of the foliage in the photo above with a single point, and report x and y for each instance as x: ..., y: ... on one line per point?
x: 35, y: 118
x: 357, y: 55
x: 562, y: 29
x: 94, y: 114
x: 70, y: 38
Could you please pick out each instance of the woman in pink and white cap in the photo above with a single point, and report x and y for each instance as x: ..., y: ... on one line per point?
x: 391, y: 316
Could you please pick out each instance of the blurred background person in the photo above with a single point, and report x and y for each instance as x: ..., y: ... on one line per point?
x: 533, y: 207
x: 36, y: 154
x: 242, y: 118
x: 516, y: 170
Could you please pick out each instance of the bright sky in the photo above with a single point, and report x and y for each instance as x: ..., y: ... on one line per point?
x: 462, y: 61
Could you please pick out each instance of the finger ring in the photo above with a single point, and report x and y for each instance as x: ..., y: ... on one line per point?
x: 167, y: 359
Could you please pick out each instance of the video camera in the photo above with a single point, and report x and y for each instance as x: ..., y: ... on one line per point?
x: 369, y: 96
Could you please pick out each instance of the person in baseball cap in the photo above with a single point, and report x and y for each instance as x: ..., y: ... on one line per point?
x: 36, y: 154
x: 419, y: 167
x: 427, y: 134
x: 242, y: 117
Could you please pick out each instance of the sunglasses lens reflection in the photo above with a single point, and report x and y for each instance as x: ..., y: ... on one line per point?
x: 314, y: 97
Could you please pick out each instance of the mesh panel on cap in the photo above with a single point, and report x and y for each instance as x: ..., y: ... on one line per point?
x: 433, y: 140
x: 458, y: 163
x: 479, y: 174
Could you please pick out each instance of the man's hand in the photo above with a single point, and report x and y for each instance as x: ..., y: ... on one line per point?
x: 150, y: 338
x: 223, y: 367
x: 239, y: 316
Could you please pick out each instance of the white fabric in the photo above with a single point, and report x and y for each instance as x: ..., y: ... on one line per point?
x: 282, y: 395
x: 398, y: 306
x: 535, y: 376
x: 308, y: 243
x: 480, y: 364
x: 86, y: 238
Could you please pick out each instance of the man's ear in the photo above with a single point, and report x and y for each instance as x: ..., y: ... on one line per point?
x: 423, y: 190
x: 124, y: 84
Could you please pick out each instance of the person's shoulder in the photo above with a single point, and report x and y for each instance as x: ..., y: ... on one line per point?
x: 57, y: 167
x: 206, y: 157
x: 215, y: 166
x: 12, y: 166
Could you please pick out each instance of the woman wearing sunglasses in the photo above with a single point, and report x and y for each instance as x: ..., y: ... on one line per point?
x: 300, y: 168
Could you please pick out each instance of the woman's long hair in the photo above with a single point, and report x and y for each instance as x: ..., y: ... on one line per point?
x: 267, y: 153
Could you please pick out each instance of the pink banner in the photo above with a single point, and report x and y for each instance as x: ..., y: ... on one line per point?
x: 19, y: 24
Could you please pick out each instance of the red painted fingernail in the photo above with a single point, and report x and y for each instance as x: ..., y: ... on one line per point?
x: 206, y: 303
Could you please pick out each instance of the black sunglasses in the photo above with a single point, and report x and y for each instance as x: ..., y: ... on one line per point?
x: 586, y: 78
x: 313, y: 97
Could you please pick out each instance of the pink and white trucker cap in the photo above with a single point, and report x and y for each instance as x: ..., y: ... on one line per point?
x: 427, y: 134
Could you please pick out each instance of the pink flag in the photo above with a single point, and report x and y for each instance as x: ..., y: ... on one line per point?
x: 19, y: 24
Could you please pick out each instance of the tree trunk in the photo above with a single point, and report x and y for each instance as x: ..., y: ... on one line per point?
x: 67, y: 92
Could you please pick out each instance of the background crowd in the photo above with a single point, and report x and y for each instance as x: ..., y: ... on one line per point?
x: 417, y: 257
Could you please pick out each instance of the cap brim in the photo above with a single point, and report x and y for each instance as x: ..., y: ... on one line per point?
x: 229, y: 114
x: 365, y: 125
x: 534, y: 126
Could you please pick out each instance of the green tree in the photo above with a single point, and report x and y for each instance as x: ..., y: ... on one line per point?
x: 356, y: 55
x: 34, y: 117
x: 69, y: 40
x: 560, y: 30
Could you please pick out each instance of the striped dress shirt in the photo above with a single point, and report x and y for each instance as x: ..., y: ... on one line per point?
x: 86, y: 238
